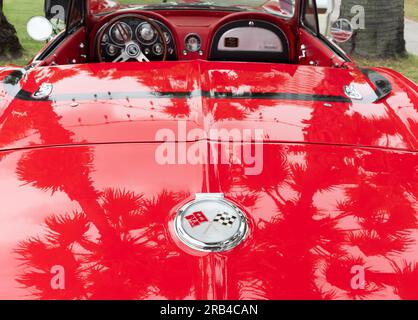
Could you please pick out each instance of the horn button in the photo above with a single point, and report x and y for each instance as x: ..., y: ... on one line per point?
x: 133, y: 50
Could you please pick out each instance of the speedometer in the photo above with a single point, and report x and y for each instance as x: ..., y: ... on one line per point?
x: 146, y: 34
x: 121, y: 33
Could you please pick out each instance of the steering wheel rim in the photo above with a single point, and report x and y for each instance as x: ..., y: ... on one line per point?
x: 114, y: 21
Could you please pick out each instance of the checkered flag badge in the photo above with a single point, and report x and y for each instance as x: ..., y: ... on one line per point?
x: 225, y: 219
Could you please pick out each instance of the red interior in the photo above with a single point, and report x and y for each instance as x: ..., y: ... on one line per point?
x: 205, y: 23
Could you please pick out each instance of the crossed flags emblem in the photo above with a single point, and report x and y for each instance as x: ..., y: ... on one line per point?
x: 225, y: 219
x: 222, y: 218
x: 196, y: 219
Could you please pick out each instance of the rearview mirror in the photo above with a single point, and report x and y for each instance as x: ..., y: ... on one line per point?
x: 39, y: 28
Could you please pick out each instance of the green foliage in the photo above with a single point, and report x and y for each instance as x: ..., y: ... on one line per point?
x: 411, y: 9
x: 405, y: 65
x: 18, y: 12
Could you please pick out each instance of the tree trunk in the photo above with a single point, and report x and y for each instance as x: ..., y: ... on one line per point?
x: 383, y: 35
x: 10, y: 46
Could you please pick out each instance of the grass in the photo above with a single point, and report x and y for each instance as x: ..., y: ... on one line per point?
x: 20, y: 11
x: 411, y: 9
x: 405, y: 65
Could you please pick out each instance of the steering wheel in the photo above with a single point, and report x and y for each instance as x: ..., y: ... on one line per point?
x: 129, y: 46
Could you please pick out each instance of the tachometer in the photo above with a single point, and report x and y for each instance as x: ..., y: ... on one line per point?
x: 121, y: 33
x: 146, y: 34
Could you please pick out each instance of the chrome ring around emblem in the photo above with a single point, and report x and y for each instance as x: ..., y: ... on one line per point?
x: 211, y: 224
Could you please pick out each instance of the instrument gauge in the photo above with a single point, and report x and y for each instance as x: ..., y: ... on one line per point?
x: 121, y: 33
x: 146, y: 34
x: 112, y: 50
x: 158, y: 49
x: 167, y: 37
x: 193, y: 43
x: 105, y: 38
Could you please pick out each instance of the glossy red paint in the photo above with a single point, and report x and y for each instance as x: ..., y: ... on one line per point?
x: 316, y: 51
x: 80, y: 186
x: 96, y: 100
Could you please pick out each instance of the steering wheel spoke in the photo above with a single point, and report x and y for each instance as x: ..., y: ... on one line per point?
x: 132, y: 50
x: 123, y: 57
x: 142, y: 58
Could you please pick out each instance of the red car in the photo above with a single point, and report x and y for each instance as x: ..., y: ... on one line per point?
x: 204, y: 150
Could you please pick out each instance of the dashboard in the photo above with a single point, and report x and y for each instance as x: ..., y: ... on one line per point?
x: 153, y: 38
x: 251, y: 40
x: 150, y: 36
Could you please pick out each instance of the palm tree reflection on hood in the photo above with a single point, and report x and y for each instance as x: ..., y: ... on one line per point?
x: 138, y: 263
x: 109, y: 248
x: 310, y: 242
x: 301, y: 249
x: 117, y: 245
x: 369, y: 219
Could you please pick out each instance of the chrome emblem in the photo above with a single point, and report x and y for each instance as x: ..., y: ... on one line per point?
x: 211, y: 223
x: 352, y: 92
x: 43, y: 92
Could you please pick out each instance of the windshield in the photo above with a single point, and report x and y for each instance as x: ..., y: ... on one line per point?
x: 283, y: 8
